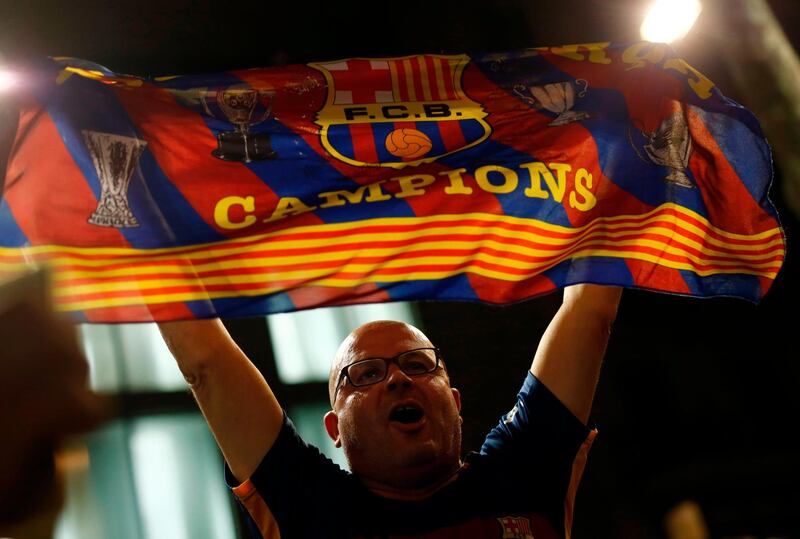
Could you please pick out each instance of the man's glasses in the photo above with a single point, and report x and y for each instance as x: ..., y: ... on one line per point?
x: 366, y: 372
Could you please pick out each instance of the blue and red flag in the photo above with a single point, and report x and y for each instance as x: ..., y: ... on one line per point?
x: 491, y: 178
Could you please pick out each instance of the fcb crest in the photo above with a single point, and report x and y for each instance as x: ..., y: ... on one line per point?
x: 396, y: 112
x: 516, y: 528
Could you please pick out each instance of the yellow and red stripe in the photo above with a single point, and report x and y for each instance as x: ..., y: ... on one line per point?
x: 386, y: 250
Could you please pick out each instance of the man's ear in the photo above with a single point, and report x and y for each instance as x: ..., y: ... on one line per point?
x: 331, y: 421
x: 457, y: 398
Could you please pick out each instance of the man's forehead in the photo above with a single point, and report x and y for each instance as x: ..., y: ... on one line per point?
x: 382, y: 338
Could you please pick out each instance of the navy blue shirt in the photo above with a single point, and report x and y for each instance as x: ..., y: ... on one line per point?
x: 521, y: 484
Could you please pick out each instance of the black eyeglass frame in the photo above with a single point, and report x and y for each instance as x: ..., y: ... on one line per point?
x: 388, y: 361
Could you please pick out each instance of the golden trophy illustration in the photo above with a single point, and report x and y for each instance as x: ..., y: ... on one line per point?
x: 244, y: 108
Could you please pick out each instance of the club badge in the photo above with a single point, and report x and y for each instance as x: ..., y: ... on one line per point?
x: 398, y: 112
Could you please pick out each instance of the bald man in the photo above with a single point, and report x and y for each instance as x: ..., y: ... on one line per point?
x: 397, y: 418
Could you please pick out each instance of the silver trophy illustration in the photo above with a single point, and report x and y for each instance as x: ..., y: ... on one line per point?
x: 670, y: 146
x: 557, y: 97
x: 115, y: 158
x: 244, y: 108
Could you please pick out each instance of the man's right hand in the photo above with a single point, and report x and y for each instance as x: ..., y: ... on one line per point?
x: 243, y: 413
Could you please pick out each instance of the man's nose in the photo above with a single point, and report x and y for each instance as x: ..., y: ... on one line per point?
x: 397, y: 378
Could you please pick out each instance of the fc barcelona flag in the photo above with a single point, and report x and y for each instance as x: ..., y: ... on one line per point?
x: 493, y: 178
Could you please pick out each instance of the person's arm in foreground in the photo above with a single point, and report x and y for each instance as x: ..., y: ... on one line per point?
x: 571, y: 350
x: 44, y: 399
x: 238, y: 405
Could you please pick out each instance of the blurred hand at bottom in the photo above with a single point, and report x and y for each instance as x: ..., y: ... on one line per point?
x: 44, y: 398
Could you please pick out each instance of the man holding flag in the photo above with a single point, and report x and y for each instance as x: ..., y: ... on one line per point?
x: 492, y: 178
x: 397, y: 419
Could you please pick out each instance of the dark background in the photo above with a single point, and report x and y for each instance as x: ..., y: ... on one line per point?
x: 698, y: 398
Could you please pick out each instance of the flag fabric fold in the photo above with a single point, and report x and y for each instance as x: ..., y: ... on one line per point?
x: 494, y: 178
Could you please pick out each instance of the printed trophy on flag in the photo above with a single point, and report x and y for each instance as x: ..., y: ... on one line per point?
x: 670, y: 146
x: 558, y: 98
x: 115, y: 158
x: 243, y: 107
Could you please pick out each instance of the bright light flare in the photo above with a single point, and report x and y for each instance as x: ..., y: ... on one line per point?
x: 7, y: 79
x: 670, y: 20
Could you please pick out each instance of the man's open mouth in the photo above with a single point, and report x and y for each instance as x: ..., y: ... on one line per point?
x: 407, y: 414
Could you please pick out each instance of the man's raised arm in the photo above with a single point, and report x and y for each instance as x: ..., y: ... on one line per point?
x: 238, y: 405
x: 571, y: 351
